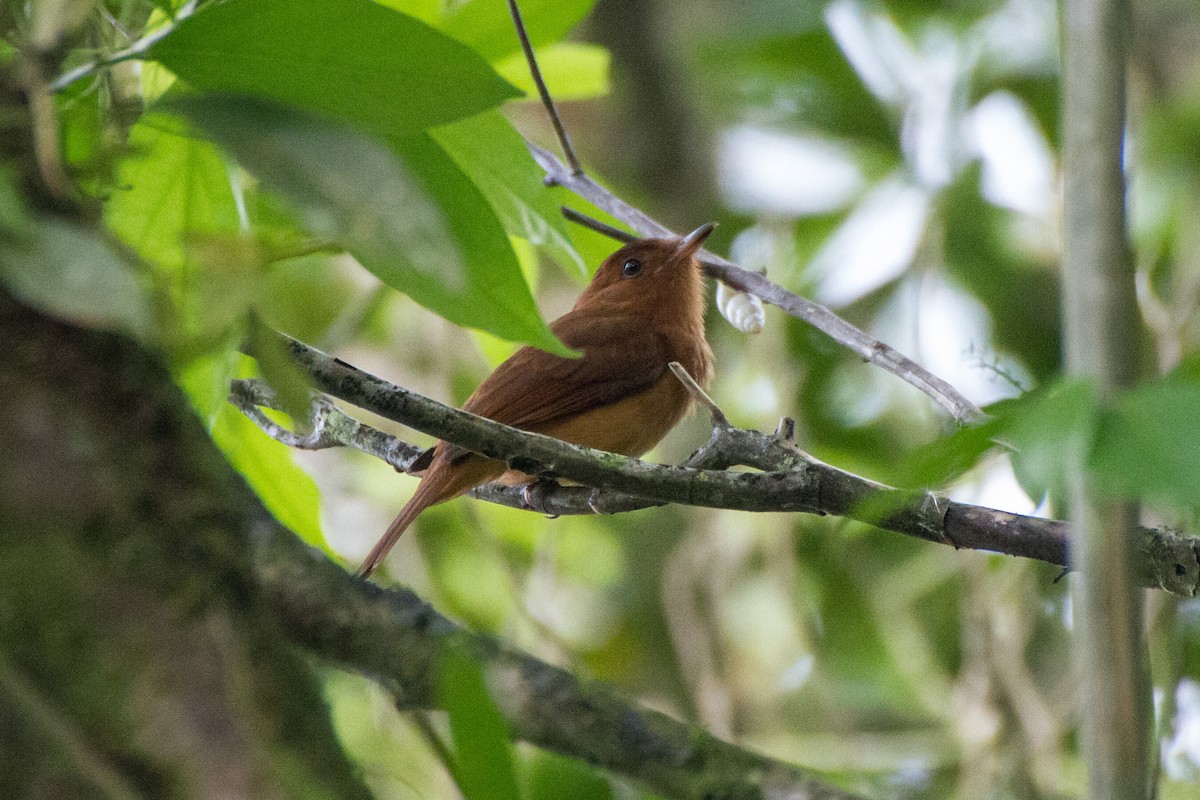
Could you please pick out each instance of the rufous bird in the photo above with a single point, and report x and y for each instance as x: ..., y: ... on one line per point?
x: 643, y: 309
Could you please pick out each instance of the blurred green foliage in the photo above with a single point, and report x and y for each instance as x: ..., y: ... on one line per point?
x: 278, y: 137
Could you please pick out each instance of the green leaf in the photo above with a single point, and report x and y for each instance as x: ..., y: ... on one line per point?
x: 174, y: 188
x: 497, y: 299
x: 170, y: 195
x: 287, y: 491
x: 415, y: 221
x: 553, y: 777
x: 1146, y: 447
x: 488, y: 148
x: 351, y: 60
x: 1049, y: 430
x: 484, y: 763
x: 942, y: 460
x: 487, y: 26
x: 68, y: 271
x: 572, y: 71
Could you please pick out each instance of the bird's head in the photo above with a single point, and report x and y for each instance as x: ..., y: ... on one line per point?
x: 649, y: 271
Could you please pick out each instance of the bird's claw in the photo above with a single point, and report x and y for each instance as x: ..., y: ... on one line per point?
x: 533, y: 494
x: 595, y: 502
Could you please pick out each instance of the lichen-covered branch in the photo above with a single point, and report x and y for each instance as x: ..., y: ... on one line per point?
x: 790, y: 480
x: 398, y: 639
x: 169, y: 663
x: 139, y: 655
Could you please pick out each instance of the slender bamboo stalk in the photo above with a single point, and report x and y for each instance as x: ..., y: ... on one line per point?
x: 1100, y: 313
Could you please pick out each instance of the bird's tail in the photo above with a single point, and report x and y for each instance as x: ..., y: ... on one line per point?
x: 445, y: 478
x: 427, y: 494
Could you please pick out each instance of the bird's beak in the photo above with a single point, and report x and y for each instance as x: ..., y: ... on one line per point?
x: 689, y: 244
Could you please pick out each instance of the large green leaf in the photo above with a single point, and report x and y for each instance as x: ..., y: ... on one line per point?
x: 407, y: 213
x: 490, y: 150
x: 351, y: 60
x: 173, y: 188
x: 67, y: 269
x: 497, y: 298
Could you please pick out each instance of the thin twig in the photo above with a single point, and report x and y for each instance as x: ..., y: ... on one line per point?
x: 547, y: 101
x: 754, y: 283
x: 579, y: 218
x: 694, y: 389
x: 134, y: 50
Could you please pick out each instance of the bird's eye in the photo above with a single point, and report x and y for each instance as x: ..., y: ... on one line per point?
x: 631, y: 267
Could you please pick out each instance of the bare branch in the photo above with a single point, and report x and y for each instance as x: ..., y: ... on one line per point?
x: 330, y: 427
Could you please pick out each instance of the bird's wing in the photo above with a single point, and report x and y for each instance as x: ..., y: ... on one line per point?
x: 534, y: 389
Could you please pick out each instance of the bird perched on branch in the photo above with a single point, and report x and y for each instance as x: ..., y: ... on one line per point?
x: 643, y: 309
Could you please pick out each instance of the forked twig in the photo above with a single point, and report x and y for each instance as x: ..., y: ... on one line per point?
x: 135, y: 50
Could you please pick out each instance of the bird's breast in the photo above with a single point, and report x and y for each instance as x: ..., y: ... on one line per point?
x: 630, y: 426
